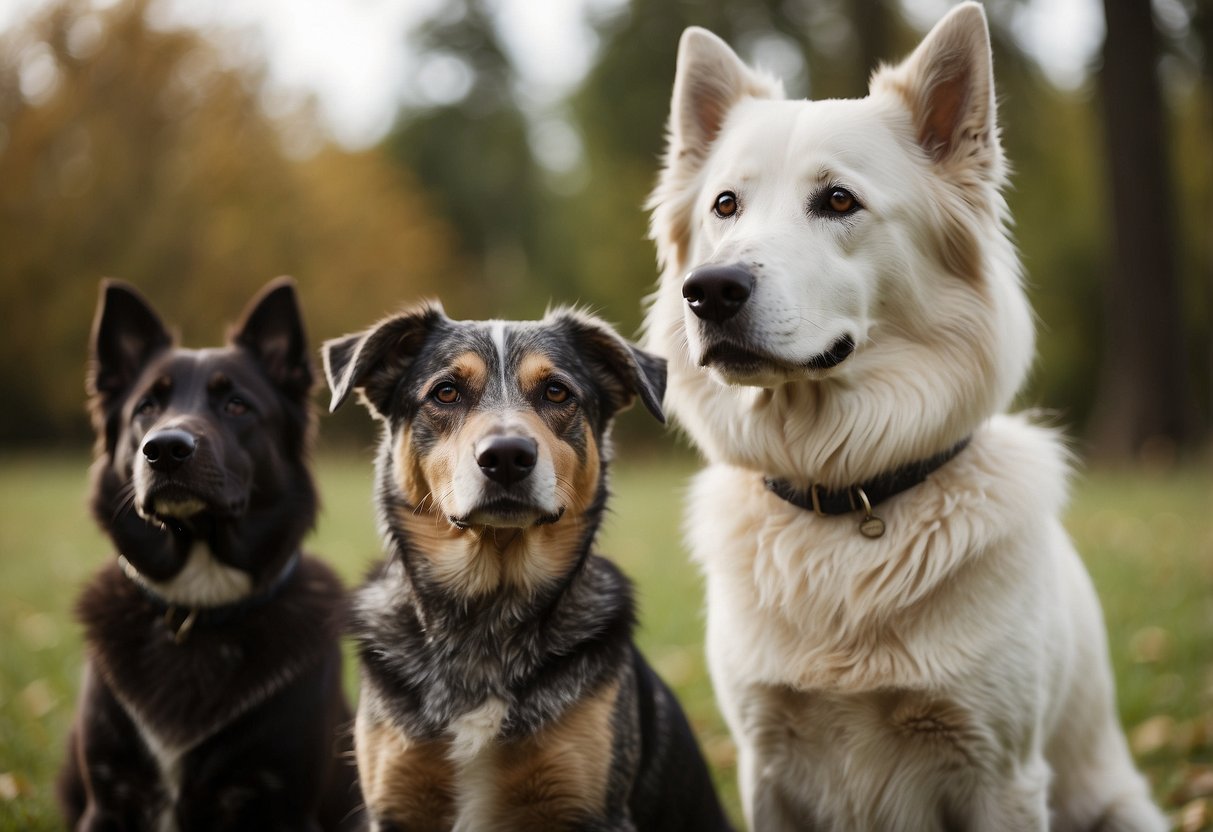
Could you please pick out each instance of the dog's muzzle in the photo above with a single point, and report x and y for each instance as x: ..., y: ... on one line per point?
x: 717, y: 293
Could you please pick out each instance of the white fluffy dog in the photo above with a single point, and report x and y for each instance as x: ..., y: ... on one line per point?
x: 900, y: 633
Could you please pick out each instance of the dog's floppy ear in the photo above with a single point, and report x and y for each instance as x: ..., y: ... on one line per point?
x: 373, y: 361
x: 271, y: 328
x: 127, y: 333
x: 948, y: 82
x: 709, y: 81
x: 625, y: 370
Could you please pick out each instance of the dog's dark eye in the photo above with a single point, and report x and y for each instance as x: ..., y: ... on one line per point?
x: 235, y: 406
x: 725, y: 205
x: 446, y: 393
x: 146, y: 407
x: 841, y: 201
x: 556, y: 393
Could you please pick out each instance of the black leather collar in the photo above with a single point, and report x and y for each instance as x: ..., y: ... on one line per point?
x: 181, y: 619
x: 865, y: 495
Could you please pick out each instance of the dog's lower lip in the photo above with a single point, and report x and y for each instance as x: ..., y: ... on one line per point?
x: 734, y: 357
x: 505, y: 509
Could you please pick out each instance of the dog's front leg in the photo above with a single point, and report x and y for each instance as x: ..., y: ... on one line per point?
x: 120, y: 782
x: 1016, y: 804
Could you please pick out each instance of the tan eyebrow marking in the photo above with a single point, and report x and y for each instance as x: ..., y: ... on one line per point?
x: 470, y: 367
x: 533, y: 370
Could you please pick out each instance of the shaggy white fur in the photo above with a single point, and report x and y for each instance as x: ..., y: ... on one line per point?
x: 952, y: 674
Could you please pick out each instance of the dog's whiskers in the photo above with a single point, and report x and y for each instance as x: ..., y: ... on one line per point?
x: 126, y: 501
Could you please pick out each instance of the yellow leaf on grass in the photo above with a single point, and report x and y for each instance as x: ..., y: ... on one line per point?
x: 1150, y: 645
x: 1195, y: 816
x: 39, y: 698
x: 1152, y: 735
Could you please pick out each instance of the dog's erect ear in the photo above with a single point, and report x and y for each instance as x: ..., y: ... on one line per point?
x: 709, y: 81
x: 127, y: 333
x: 271, y: 328
x: 948, y: 82
x: 625, y: 370
x: 373, y: 361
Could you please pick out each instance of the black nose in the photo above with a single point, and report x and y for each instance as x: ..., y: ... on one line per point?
x: 167, y: 449
x: 716, y: 293
x: 506, y: 459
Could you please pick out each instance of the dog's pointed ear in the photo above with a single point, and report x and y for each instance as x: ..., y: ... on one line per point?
x: 126, y: 334
x: 709, y: 80
x: 373, y: 361
x: 625, y: 370
x: 272, y: 330
x: 948, y: 82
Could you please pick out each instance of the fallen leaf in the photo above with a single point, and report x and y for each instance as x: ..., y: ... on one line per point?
x: 1152, y: 735
x: 1150, y: 645
x: 1197, y: 782
x: 13, y: 786
x: 1195, y: 816
x: 39, y: 698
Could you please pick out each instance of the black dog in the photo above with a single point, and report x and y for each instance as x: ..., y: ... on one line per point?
x: 212, y: 694
x: 501, y: 688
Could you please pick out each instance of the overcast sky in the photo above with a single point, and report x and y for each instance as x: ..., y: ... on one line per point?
x: 351, y: 53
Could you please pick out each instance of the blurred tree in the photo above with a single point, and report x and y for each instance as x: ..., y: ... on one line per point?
x: 1143, y: 395
x: 135, y: 152
x: 469, y: 148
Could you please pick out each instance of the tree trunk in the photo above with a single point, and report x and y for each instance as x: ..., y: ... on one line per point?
x: 1142, y: 401
x: 871, y: 19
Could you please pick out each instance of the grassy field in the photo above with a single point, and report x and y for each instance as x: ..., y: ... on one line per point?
x: 1148, y: 540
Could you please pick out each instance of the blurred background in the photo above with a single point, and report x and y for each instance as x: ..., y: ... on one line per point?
x: 497, y: 153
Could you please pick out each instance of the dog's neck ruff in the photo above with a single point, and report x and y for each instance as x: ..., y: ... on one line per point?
x: 865, y: 495
x: 180, y: 619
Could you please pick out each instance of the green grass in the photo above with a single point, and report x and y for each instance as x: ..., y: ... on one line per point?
x: 1148, y: 541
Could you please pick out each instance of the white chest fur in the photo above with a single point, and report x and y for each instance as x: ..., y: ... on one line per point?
x: 202, y: 582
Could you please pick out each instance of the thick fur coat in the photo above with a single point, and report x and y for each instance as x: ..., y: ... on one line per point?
x: 211, y: 697
x: 501, y: 686
x: 839, y: 298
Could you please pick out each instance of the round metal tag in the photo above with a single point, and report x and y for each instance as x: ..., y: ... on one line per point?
x: 872, y: 527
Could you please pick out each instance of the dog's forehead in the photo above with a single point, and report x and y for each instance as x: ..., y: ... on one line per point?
x: 501, y: 345
x: 188, y: 366
x: 810, y: 140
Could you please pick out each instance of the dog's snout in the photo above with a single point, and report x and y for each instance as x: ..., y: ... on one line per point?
x: 717, y: 293
x: 507, y: 459
x: 166, y: 450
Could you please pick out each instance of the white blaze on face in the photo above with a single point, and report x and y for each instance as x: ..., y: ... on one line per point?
x: 498, y: 332
x: 503, y: 414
